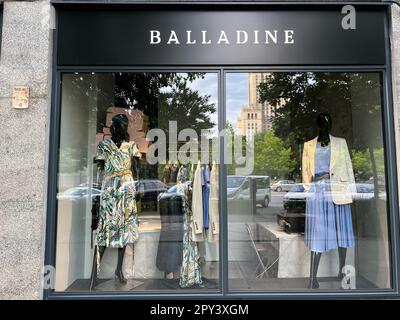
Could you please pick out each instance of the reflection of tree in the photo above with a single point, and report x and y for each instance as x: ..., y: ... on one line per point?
x: 147, y: 92
x: 188, y: 108
x: 229, y: 145
x: 362, y: 164
x: 72, y: 160
x: 143, y: 90
x: 229, y: 128
x: 165, y: 97
x: 271, y: 157
x: 297, y: 98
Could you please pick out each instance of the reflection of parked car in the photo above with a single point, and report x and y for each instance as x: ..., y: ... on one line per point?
x: 167, y: 193
x: 365, y: 187
x: 94, y: 185
x: 78, y: 193
x: 170, y: 193
x: 282, y: 185
x: 292, y: 218
x: 294, y: 200
x: 148, y: 191
x: 238, y: 188
x: 170, y: 190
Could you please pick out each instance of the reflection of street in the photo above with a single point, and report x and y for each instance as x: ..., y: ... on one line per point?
x: 275, y: 207
x: 242, y: 258
x: 242, y: 211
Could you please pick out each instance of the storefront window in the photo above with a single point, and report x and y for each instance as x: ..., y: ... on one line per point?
x: 137, y: 190
x: 309, y: 212
x: 138, y: 177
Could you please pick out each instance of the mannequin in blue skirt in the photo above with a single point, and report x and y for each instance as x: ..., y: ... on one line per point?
x: 328, y: 224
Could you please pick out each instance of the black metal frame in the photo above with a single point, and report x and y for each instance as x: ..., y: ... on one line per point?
x: 223, y: 292
x: 215, y: 2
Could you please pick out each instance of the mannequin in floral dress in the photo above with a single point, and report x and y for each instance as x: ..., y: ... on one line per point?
x: 118, y: 223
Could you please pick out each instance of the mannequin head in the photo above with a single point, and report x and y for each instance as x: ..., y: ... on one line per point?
x: 119, y: 128
x: 324, y: 122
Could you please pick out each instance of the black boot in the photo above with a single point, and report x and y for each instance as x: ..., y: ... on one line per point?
x: 342, y: 262
x: 314, y: 263
x: 93, y: 276
x: 118, y: 272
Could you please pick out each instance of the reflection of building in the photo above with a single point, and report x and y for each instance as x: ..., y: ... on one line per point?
x: 255, y: 117
x: 138, y: 126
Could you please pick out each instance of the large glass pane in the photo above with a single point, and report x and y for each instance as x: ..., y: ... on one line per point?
x: 133, y: 150
x: 309, y: 208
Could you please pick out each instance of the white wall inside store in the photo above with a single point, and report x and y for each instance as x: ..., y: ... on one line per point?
x: 74, y: 253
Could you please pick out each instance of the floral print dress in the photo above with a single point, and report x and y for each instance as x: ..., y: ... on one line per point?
x: 118, y: 223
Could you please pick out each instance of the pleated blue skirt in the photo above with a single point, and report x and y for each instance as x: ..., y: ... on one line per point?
x: 328, y: 225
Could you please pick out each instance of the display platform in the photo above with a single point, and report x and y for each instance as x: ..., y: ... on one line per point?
x: 288, y: 257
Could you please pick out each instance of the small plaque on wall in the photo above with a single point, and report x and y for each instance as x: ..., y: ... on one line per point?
x: 20, y: 97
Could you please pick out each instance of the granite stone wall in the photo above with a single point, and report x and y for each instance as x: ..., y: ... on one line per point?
x: 395, y: 44
x: 25, y: 53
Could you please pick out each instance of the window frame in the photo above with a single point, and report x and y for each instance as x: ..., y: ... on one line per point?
x: 388, y: 127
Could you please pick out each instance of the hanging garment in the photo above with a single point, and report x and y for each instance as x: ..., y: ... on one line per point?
x: 205, y: 187
x: 191, y: 172
x: 213, y: 232
x: 170, y: 245
x: 166, y: 174
x: 328, y: 225
x: 197, y: 206
x: 190, y: 270
x: 174, y: 174
x: 183, y: 174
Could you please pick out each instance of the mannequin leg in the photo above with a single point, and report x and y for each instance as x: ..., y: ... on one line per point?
x: 93, y: 276
x: 314, y: 263
x: 101, y: 251
x: 342, y: 261
x: 118, y: 271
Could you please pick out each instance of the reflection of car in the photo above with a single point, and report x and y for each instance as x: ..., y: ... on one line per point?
x: 238, y: 188
x: 294, y: 200
x: 171, y: 190
x: 365, y: 187
x: 94, y: 185
x: 282, y: 185
x: 78, y: 193
x: 292, y: 218
x: 169, y: 193
x: 148, y: 191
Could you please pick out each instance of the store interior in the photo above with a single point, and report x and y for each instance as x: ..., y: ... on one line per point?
x: 273, y: 114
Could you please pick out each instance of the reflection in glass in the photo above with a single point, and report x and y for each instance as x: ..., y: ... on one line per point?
x: 318, y: 145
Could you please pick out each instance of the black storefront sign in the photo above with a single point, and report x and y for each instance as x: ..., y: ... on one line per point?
x: 225, y: 36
